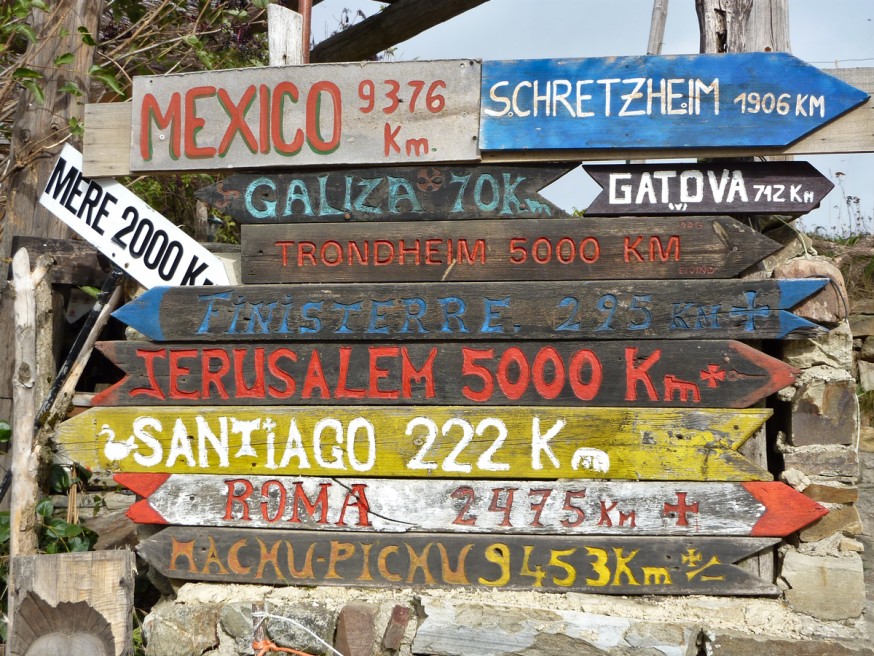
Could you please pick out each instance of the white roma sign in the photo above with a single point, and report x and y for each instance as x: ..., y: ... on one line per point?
x: 120, y: 225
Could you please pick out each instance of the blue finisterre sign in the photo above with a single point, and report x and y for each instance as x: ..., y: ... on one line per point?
x: 686, y: 101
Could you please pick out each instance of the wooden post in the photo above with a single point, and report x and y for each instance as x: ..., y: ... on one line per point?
x: 79, y: 604
x: 723, y: 24
x: 284, y: 36
x: 745, y: 26
x: 40, y: 129
x: 28, y: 380
x: 657, y: 27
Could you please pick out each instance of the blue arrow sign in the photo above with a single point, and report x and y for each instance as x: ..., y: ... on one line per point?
x: 765, y: 100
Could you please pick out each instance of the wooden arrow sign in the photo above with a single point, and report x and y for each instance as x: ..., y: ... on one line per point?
x: 313, y: 115
x: 788, y: 188
x: 525, y: 249
x: 691, y: 101
x: 412, y: 193
x: 742, y: 309
x: 444, y: 442
x: 604, y: 565
x: 694, y: 373
x: 756, y: 509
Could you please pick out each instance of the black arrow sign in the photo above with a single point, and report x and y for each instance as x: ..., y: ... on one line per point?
x: 792, y: 188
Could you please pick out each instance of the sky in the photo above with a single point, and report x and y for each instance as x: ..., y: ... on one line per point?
x: 827, y: 34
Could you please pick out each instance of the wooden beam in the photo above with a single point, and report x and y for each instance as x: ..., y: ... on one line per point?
x: 396, y: 23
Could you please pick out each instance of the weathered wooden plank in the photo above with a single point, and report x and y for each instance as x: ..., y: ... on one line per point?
x: 325, y: 114
x: 757, y: 509
x: 75, y: 261
x: 642, y: 309
x: 525, y: 249
x: 450, y: 442
x: 109, y: 127
x: 605, y: 565
x: 394, y: 24
x: 85, y: 600
x: 387, y: 194
x: 685, y: 101
x: 140, y: 241
x: 787, y: 188
x: 691, y: 373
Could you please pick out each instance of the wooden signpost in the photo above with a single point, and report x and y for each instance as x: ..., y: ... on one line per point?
x: 606, y: 565
x: 787, y: 188
x: 687, y: 101
x: 692, y: 373
x: 433, y: 440
x: 140, y: 241
x: 755, y: 509
x: 525, y: 249
x: 642, y: 309
x: 323, y: 115
x: 444, y: 442
x: 411, y: 193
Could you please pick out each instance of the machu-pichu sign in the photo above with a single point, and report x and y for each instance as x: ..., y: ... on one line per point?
x: 606, y: 565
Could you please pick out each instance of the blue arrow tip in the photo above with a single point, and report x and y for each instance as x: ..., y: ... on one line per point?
x: 790, y: 323
x: 143, y: 313
x: 795, y: 290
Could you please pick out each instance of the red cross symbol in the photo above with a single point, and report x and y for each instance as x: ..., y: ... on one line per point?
x: 681, y: 509
x: 713, y: 375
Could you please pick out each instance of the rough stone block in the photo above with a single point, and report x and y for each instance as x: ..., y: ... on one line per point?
x: 825, y: 412
x: 396, y: 627
x: 468, y: 628
x: 832, y: 493
x: 833, y: 349
x: 862, y: 325
x: 862, y: 306
x: 866, y: 375
x: 866, y: 439
x: 829, y: 461
x: 723, y: 644
x: 177, y: 630
x: 826, y: 587
x: 356, y: 630
x: 794, y: 244
x: 319, y: 619
x: 235, y: 619
x: 866, y: 350
x: 844, y: 519
x: 827, y: 306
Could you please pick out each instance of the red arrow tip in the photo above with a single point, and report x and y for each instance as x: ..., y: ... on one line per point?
x: 786, y: 510
x: 142, y: 484
x: 142, y: 513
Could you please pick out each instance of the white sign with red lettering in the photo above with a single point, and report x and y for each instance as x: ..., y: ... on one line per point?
x: 120, y: 225
x: 370, y: 113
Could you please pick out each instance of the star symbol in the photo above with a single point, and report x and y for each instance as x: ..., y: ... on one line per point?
x: 714, y: 374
